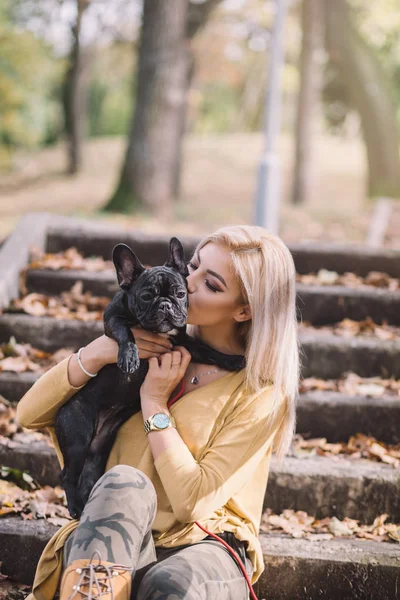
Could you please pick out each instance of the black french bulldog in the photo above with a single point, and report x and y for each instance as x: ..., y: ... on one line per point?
x: 86, y: 425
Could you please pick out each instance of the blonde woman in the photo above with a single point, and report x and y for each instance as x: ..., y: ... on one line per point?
x: 208, y: 462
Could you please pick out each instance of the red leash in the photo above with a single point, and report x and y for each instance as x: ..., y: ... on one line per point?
x: 216, y: 537
x: 178, y: 395
x: 231, y: 550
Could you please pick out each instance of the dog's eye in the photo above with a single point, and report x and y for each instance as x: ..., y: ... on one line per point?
x: 180, y: 295
x: 146, y: 297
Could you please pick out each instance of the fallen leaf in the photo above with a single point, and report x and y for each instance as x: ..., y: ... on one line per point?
x: 59, y: 521
x: 338, y: 528
x: 372, y: 389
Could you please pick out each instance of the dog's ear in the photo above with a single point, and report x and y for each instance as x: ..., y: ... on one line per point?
x: 127, y: 265
x: 176, y: 258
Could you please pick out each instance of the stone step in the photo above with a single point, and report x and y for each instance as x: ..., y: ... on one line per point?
x: 93, y: 239
x: 37, y: 458
x: 21, y: 544
x: 318, y: 412
x: 319, y: 485
x: 322, y: 305
x: 337, y: 416
x: 319, y: 305
x: 99, y: 239
x: 52, y: 283
x: 294, y: 568
x: 47, y: 333
x: 322, y: 486
x: 14, y: 385
x: 328, y: 570
x: 324, y: 355
x: 330, y: 356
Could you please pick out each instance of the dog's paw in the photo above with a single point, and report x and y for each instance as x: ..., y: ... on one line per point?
x: 128, y: 357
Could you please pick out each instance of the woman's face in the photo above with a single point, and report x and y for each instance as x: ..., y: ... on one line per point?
x: 212, y: 296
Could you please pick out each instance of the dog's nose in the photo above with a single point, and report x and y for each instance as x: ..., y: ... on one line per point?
x: 165, y: 307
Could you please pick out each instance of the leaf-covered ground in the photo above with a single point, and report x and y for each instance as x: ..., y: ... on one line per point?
x: 348, y: 328
x: 375, y: 279
x: 73, y: 259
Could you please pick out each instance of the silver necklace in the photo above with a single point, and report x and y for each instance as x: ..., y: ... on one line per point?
x: 195, y: 379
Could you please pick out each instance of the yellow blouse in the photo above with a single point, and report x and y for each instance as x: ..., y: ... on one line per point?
x: 219, y: 479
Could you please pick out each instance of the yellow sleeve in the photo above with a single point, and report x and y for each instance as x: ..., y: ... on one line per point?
x: 196, y: 489
x: 39, y: 406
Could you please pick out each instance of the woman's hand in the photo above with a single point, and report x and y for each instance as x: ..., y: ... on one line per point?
x: 163, y: 376
x: 149, y: 345
x: 104, y: 351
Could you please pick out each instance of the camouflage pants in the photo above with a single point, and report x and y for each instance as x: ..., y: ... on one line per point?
x: 117, y: 521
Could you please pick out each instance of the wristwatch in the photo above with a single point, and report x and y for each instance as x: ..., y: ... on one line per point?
x: 159, y: 422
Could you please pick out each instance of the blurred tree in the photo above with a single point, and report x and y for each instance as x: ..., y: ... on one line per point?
x: 73, y: 28
x: 104, y: 22
x: 370, y: 93
x: 312, y: 20
x: 75, y: 92
x: 150, y: 175
x: 148, y: 172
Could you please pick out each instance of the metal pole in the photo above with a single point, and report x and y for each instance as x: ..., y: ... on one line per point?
x: 268, y: 182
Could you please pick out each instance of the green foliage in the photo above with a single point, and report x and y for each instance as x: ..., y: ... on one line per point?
x: 97, y: 96
x: 28, y: 77
x: 219, y: 107
x: 377, y: 23
x: 21, y: 478
x: 118, y: 107
x: 110, y: 91
x: 110, y: 108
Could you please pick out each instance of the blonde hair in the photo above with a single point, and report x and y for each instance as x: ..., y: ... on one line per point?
x: 266, y: 274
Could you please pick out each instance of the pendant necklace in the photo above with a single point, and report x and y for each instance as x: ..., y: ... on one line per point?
x: 195, y: 379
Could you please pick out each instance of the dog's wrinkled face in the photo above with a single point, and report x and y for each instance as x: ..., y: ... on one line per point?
x: 157, y: 296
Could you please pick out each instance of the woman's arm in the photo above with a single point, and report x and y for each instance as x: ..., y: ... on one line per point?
x: 197, y: 488
x: 93, y: 357
x: 39, y: 406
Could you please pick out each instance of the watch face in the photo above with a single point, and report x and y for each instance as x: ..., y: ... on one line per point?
x: 161, y: 420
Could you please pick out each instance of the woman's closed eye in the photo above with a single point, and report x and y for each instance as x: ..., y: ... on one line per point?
x: 211, y: 287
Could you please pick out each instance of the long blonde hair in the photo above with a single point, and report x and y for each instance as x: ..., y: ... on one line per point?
x: 266, y: 275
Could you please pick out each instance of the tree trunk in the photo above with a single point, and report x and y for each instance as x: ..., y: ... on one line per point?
x: 75, y: 96
x: 147, y: 178
x: 370, y: 94
x: 151, y: 174
x: 308, y: 99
